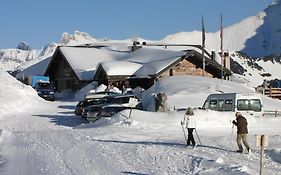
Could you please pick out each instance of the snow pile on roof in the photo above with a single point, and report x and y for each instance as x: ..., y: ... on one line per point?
x: 38, y: 67
x: 120, y: 67
x: 142, y: 62
x: 86, y: 59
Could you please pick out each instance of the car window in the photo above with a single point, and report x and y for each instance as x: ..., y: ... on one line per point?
x: 221, y: 105
x: 255, y: 104
x: 249, y: 104
x: 206, y: 105
x: 213, y: 104
x: 228, y: 105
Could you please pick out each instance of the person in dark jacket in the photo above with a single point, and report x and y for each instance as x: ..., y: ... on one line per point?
x: 242, y: 132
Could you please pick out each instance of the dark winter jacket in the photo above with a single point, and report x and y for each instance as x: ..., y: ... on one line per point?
x: 241, y: 124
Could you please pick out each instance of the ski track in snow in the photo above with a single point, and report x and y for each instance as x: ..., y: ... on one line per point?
x: 47, y: 141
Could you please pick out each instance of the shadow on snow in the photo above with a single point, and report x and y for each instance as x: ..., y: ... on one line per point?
x: 161, y: 144
x: 65, y: 120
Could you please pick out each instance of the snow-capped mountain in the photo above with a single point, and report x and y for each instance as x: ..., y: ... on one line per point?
x: 259, y: 35
x: 76, y: 39
x: 252, y: 71
x: 11, y: 59
x: 23, y: 46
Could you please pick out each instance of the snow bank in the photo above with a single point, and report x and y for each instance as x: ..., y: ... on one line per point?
x: 182, y: 91
x: 14, y: 96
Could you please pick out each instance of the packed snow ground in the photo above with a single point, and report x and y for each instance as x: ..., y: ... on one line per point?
x: 39, y: 137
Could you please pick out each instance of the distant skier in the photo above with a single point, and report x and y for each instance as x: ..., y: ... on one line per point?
x: 190, y: 121
x: 242, y: 132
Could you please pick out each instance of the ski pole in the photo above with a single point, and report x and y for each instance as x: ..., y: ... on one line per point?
x: 184, y: 133
x: 232, y: 130
x: 198, y: 136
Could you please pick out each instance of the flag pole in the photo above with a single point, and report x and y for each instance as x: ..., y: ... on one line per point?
x: 203, y: 45
x: 222, y: 51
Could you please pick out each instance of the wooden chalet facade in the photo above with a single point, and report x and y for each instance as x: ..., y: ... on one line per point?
x: 62, y: 74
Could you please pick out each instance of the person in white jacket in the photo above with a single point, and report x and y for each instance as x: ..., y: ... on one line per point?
x: 190, y: 125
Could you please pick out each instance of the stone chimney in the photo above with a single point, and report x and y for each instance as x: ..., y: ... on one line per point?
x: 136, y: 45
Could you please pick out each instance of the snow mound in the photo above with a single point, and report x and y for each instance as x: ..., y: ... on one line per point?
x: 14, y: 96
x: 185, y: 93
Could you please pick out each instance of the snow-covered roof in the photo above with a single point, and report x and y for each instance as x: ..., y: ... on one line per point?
x: 142, y: 62
x: 150, y: 54
x: 154, y: 67
x: 83, y: 59
x: 38, y: 68
x: 120, y: 67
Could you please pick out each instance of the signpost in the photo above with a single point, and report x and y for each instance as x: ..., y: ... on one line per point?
x: 132, y: 103
x: 261, y: 141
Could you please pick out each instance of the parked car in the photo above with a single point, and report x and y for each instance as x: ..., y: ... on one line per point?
x: 84, y: 103
x: 105, y: 111
x: 43, y: 87
x: 108, y: 111
x: 100, y: 94
x: 250, y: 103
x: 93, y: 99
x: 129, y: 101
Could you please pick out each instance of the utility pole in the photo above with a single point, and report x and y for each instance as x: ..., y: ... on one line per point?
x: 203, y: 45
x: 222, y: 52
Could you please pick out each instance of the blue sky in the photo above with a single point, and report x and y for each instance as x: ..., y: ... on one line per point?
x: 40, y: 22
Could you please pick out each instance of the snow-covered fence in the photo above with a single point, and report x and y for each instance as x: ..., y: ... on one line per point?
x: 274, y: 113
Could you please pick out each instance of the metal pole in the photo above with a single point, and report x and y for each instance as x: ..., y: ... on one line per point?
x: 198, y: 137
x: 203, y: 45
x: 130, y: 112
x: 203, y: 61
x: 222, y: 52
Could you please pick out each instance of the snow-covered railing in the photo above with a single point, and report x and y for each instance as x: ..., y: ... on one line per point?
x: 274, y: 113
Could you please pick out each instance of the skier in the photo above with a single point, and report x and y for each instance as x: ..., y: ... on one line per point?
x: 242, y: 132
x: 190, y: 121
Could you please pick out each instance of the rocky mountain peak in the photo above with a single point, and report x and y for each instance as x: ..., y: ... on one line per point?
x: 68, y: 39
x: 23, y: 46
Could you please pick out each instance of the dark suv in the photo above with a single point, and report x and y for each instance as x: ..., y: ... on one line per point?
x: 118, y: 101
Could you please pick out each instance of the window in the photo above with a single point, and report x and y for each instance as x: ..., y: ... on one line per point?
x: 206, y: 105
x: 228, y: 105
x: 255, y: 104
x: 221, y: 105
x: 213, y: 104
x: 249, y: 104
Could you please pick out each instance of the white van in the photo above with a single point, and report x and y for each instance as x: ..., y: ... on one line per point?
x: 250, y: 103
